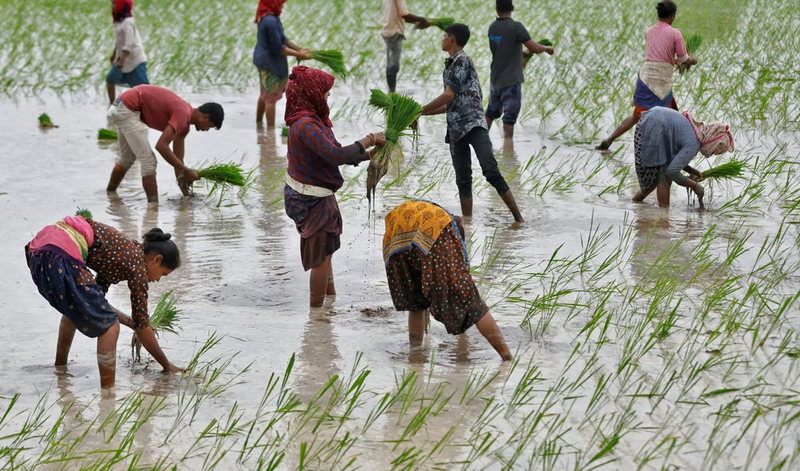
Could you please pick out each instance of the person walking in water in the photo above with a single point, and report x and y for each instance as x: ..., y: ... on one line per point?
x: 664, y: 143
x: 395, y: 15
x: 428, y: 273
x: 150, y: 106
x: 506, y: 38
x: 462, y: 100
x: 269, y: 56
x: 60, y: 257
x: 128, y: 61
x: 665, y: 48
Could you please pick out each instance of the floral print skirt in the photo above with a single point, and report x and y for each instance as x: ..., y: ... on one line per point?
x: 439, y: 281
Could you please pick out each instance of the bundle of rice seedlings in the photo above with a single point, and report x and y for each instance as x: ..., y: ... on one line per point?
x: 693, y: 43
x: 379, y: 99
x: 545, y: 42
x: 333, y: 59
x: 163, y: 319
x: 106, y: 134
x: 728, y: 171
x: 227, y: 174
x: 441, y: 23
x: 45, y: 122
x: 285, y: 131
x: 401, y: 112
x: 84, y: 212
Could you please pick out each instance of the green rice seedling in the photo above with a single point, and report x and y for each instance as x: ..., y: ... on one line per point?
x: 731, y: 170
x: 284, y: 131
x: 333, y: 59
x: 225, y: 174
x: 402, y: 111
x: 441, y: 23
x: 45, y: 122
x: 163, y: 319
x: 84, y: 212
x: 693, y: 43
x: 107, y: 134
x: 379, y: 99
x: 545, y: 42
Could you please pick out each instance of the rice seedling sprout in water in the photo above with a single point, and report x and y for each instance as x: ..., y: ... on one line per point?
x: 284, y: 131
x: 45, y: 122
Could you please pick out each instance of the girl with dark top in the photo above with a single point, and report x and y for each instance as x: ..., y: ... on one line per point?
x: 428, y: 271
x: 665, y: 142
x: 59, y: 259
x: 269, y: 57
x: 313, y: 175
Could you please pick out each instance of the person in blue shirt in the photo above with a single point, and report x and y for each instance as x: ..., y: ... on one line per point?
x: 269, y: 56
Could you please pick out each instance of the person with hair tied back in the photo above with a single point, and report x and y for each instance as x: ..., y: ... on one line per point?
x: 665, y: 48
x: 462, y: 101
x: 59, y: 259
x: 149, y: 106
x: 128, y: 60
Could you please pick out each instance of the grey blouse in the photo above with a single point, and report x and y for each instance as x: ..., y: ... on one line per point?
x: 668, y: 139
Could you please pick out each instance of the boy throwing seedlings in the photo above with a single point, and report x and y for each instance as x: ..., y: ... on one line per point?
x: 150, y: 106
x: 462, y: 100
x: 506, y: 38
x: 395, y: 15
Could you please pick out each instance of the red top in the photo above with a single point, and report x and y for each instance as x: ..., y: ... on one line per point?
x: 159, y: 107
x: 664, y: 43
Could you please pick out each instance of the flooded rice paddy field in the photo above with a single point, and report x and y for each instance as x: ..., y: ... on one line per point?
x: 645, y: 338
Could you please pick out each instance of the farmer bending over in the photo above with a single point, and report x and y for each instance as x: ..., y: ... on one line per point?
x: 59, y: 258
x: 428, y: 271
x: 664, y: 143
x: 150, y: 106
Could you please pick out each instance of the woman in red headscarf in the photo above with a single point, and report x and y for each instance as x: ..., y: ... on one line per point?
x: 269, y: 56
x: 313, y: 175
x: 128, y: 61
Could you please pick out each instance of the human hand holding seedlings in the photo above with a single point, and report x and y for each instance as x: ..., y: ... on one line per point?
x: 422, y: 23
x: 147, y: 337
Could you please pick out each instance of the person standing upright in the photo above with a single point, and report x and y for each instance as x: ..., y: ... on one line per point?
x: 665, y: 48
x: 128, y: 61
x: 269, y: 57
x: 462, y: 101
x: 395, y: 15
x: 506, y: 38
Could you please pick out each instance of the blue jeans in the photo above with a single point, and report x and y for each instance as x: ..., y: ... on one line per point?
x: 479, y: 139
x: 505, y: 101
x: 137, y: 76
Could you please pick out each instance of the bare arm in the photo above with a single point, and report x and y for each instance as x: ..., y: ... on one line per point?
x: 420, y: 21
x: 289, y: 51
x: 437, y: 106
x: 148, y: 339
x: 536, y: 48
x: 162, y: 146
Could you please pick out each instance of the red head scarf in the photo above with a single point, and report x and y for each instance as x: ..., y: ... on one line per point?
x: 305, y: 94
x: 269, y: 7
x: 122, y: 9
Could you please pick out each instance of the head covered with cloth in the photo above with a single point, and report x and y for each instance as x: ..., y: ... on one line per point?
x: 269, y: 7
x: 306, y: 94
x: 715, y: 138
x: 121, y: 9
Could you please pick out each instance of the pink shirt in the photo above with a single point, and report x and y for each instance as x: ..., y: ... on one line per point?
x: 664, y: 43
x: 159, y: 107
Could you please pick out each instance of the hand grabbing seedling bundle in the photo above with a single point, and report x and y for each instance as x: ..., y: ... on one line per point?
x: 401, y: 112
x: 164, y: 319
